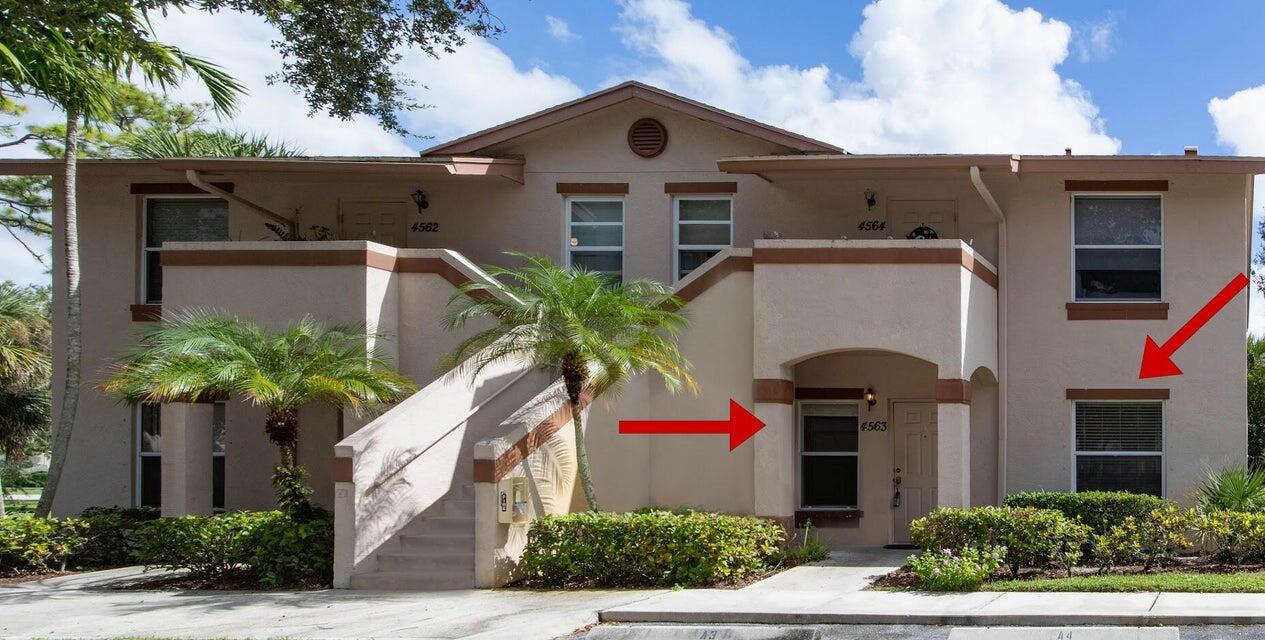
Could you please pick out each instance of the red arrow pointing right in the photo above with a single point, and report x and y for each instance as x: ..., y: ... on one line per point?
x: 1157, y: 360
x: 740, y: 426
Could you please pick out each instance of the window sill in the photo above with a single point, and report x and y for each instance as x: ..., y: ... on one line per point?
x: 1117, y: 311
x: 146, y: 312
x: 829, y: 518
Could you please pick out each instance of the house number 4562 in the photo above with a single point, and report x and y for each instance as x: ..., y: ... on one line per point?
x: 425, y: 227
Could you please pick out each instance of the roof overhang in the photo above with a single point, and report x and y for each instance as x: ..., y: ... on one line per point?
x: 511, y: 169
x: 1015, y: 164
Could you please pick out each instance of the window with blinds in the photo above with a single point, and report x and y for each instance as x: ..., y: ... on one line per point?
x: 177, y: 220
x: 1120, y: 447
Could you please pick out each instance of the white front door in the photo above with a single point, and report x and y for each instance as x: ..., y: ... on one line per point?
x: 381, y: 222
x: 913, y: 465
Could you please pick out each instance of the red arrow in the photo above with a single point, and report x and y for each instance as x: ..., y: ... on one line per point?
x: 740, y: 426
x: 1157, y: 360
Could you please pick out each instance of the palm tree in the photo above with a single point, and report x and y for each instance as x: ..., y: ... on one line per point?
x: 24, y: 371
x: 593, y: 332
x: 199, y: 355
x: 156, y: 142
x: 74, y: 57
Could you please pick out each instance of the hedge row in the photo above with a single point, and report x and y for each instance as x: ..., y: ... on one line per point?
x: 96, y: 538
x: 649, y: 548
x: 279, y: 548
x: 1099, y: 510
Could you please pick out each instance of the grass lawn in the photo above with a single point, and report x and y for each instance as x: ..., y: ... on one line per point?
x: 1243, y: 582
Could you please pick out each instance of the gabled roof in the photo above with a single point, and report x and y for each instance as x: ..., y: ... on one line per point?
x: 481, y: 140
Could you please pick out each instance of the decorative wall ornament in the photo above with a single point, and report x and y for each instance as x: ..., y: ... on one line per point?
x: 923, y: 233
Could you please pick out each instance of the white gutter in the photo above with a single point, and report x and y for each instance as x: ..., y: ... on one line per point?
x: 196, y: 180
x: 1002, y: 287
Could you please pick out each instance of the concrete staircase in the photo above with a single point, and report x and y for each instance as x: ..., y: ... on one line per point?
x: 435, y: 551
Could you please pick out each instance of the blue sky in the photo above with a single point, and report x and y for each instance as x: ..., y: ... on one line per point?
x: 888, y: 76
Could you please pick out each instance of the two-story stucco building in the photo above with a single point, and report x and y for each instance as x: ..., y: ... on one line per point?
x: 913, y: 330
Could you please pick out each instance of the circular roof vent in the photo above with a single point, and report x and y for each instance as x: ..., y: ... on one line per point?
x: 647, y: 137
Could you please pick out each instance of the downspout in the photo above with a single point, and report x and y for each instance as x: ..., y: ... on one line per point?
x: 196, y: 180
x: 1002, y: 366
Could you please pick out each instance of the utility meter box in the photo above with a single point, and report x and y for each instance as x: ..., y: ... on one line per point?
x: 511, y: 500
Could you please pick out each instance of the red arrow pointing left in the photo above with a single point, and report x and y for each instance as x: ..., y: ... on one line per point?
x: 1157, y: 360
x: 740, y: 426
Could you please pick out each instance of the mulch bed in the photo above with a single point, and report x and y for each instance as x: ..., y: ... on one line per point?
x: 18, y: 578
x: 905, y: 579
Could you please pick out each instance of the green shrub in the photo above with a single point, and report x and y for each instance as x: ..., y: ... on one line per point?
x: 1233, y: 488
x: 38, y: 544
x: 964, y: 570
x: 208, y: 546
x: 110, y: 535
x: 1031, y: 537
x: 294, y: 550
x: 649, y: 548
x: 1233, y: 536
x: 1099, y: 510
x: 1158, y: 537
x: 279, y: 548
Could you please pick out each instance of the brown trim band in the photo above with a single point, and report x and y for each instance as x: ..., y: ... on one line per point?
x: 279, y: 258
x: 437, y: 266
x: 700, y: 187
x: 953, y: 391
x: 875, y: 255
x: 707, y: 279
x: 342, y: 470
x: 493, y: 470
x: 1115, y: 185
x: 828, y: 393
x: 774, y: 390
x: 173, y: 188
x: 146, y: 312
x: 829, y: 518
x: 593, y: 188
x: 1117, y: 310
x: 1117, y: 394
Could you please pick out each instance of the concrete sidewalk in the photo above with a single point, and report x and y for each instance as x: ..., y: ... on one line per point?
x: 79, y: 607
x: 833, y: 593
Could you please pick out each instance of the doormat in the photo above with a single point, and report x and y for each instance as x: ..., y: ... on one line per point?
x: 899, y: 546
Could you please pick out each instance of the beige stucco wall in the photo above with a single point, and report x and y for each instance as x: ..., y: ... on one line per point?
x: 1205, y: 233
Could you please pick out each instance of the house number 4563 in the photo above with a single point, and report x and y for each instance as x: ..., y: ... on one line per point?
x: 874, y: 425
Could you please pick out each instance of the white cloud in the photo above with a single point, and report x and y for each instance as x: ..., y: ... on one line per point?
x: 1097, y: 40
x: 478, y: 86
x: 937, y: 76
x: 240, y: 43
x: 559, y: 29
x: 1240, y: 123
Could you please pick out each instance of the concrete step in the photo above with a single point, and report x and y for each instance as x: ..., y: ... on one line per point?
x: 427, y: 564
x: 400, y: 581
x: 451, y: 526
x: 460, y: 508
x: 427, y: 544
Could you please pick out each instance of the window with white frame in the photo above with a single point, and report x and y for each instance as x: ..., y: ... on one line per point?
x: 1120, y: 446
x: 595, y: 235
x: 828, y: 455
x: 1117, y: 247
x: 703, y: 228
x: 149, y: 449
x: 176, y: 220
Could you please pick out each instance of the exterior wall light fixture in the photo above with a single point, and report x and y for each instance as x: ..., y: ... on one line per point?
x: 419, y: 198
x: 871, y: 199
x: 870, y: 398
